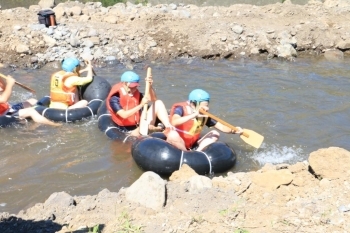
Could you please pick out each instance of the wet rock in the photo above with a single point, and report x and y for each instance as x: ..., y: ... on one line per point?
x: 334, y: 55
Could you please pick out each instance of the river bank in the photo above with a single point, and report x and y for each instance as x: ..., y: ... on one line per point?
x: 134, y: 33
x: 309, y: 196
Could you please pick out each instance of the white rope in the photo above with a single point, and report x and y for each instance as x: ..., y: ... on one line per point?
x: 126, y: 138
x: 109, y: 129
x: 92, y: 113
x: 208, y: 161
x: 95, y: 100
x: 66, y: 114
x: 43, y: 113
x: 106, y: 114
x: 182, y: 157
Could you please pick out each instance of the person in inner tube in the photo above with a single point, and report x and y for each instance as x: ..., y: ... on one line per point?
x: 19, y: 110
x: 63, y: 87
x: 189, y: 123
x: 125, y: 104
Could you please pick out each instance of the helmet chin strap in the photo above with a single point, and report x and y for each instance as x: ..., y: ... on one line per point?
x: 127, y: 87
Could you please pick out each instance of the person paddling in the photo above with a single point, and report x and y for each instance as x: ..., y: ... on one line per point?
x: 63, y: 88
x: 189, y: 123
x: 19, y: 110
x: 125, y: 103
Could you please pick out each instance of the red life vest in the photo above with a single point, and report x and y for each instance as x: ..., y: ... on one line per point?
x: 59, y: 92
x: 127, y: 102
x: 191, y: 130
x: 3, y: 108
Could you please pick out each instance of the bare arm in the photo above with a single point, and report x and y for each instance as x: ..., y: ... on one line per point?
x: 152, y: 94
x: 223, y: 128
x: 126, y: 113
x: 227, y: 129
x: 78, y: 81
x: 5, y: 95
x: 179, y: 120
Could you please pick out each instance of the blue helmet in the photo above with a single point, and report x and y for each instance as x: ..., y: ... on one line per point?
x: 199, y: 95
x: 130, y: 77
x: 69, y: 64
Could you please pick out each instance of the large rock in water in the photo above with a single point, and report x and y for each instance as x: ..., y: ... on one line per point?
x: 331, y: 163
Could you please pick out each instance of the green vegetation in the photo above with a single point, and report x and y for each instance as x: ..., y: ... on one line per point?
x: 106, y: 3
x: 95, y: 229
x: 239, y: 230
x: 143, y: 2
x: 126, y: 225
x: 228, y: 211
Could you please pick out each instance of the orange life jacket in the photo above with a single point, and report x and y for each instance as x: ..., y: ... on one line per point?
x: 189, y: 131
x: 127, y: 102
x: 3, y: 108
x: 59, y: 92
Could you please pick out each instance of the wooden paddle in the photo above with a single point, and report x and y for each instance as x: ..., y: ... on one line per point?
x: 143, y: 120
x: 20, y: 84
x: 249, y: 136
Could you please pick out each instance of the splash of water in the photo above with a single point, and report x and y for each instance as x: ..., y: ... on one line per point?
x: 276, y: 154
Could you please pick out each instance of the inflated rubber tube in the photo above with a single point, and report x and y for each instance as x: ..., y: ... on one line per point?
x: 68, y: 115
x: 8, y: 120
x: 155, y: 154
x: 99, y: 88
x: 94, y: 92
x: 106, y: 125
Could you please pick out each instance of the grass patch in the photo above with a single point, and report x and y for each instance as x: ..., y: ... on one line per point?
x: 126, y: 225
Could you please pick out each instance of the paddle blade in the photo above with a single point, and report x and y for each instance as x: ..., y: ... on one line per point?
x: 143, y: 121
x: 252, y: 138
x: 143, y: 127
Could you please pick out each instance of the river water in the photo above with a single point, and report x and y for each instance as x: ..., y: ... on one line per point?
x: 298, y: 106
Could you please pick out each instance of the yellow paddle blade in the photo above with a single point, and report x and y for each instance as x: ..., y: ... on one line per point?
x: 252, y: 138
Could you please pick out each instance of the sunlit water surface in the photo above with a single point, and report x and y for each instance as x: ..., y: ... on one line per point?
x: 298, y: 106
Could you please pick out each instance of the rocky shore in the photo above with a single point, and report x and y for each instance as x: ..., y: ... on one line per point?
x: 310, y: 196
x: 129, y: 33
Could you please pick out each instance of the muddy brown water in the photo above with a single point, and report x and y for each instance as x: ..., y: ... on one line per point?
x: 298, y: 106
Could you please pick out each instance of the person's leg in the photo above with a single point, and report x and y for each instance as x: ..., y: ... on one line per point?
x: 135, y: 132
x: 158, y: 109
x: 30, y: 103
x: 32, y: 113
x: 79, y: 104
x: 208, y: 139
x: 174, y: 139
